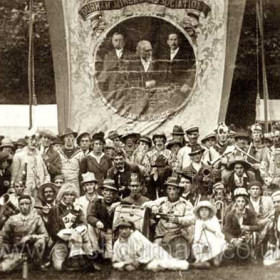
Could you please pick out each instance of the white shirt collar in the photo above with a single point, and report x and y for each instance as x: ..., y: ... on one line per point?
x: 146, y: 64
x: 119, y: 52
x: 173, y: 53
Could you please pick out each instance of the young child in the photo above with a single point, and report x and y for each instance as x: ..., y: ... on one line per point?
x: 133, y: 250
x: 209, y: 242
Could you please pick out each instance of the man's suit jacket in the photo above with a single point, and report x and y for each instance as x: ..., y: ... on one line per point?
x: 114, y: 74
x: 53, y: 163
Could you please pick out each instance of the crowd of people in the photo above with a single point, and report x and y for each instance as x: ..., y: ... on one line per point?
x: 173, y: 201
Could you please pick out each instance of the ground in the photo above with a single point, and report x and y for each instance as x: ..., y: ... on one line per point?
x: 236, y: 271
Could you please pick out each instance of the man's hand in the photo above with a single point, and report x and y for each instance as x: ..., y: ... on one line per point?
x: 256, y: 166
x: 25, y: 239
x: 99, y: 225
x: 150, y: 84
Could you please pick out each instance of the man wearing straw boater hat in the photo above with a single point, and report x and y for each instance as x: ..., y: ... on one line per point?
x: 71, y: 158
x: 100, y: 217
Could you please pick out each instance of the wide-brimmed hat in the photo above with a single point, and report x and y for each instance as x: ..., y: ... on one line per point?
x: 113, y: 135
x: 172, y: 181
x: 42, y: 188
x: 239, y: 160
x: 21, y: 142
x: 47, y: 133
x: 68, y: 131
x: 130, y: 133
x: 81, y: 136
x: 161, y: 161
x: 208, y: 136
x: 88, y: 177
x: 242, y: 134
x: 172, y: 143
x: 98, y: 136
x: 207, y: 204
x: 192, y: 129
x: 177, y: 130
x: 109, y: 184
x: 7, y: 142
x: 159, y: 134
x: 146, y: 139
x: 196, y: 149
x: 240, y: 192
x: 4, y: 156
x: 109, y: 144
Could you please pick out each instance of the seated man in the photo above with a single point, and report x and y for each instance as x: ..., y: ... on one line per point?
x: 135, y: 187
x: 24, y: 232
x: 46, y: 199
x: 100, y: 217
x: 240, y: 176
x: 121, y: 172
x: 132, y: 250
x: 186, y: 183
x: 175, y: 213
x: 67, y: 227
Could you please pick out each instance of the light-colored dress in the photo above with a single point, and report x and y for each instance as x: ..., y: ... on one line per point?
x: 207, y: 244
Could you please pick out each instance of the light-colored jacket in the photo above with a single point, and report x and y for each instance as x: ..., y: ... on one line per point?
x: 29, y: 165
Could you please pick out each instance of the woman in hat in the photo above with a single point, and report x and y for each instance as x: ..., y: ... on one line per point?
x: 240, y: 223
x: 209, y: 242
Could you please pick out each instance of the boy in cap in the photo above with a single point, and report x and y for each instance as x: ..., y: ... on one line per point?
x: 100, y: 217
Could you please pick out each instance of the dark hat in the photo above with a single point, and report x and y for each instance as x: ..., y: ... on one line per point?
x: 81, y: 136
x: 146, y: 139
x: 159, y: 134
x: 255, y: 184
x: 207, y: 137
x: 109, y: 184
x: 161, y: 161
x: 185, y: 175
x: 196, y: 149
x: 47, y: 133
x: 192, y: 129
x: 21, y: 142
x: 113, y: 135
x: 80, y: 262
x: 172, y: 181
x: 57, y: 140
x: 42, y: 188
x: 98, y: 136
x: 239, y: 160
x: 122, y: 221
x: 172, y: 143
x: 68, y: 131
x: 242, y: 134
x: 24, y: 196
x: 130, y: 133
x: 177, y: 130
x: 4, y: 156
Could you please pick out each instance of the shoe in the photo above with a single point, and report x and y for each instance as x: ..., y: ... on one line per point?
x: 202, y: 265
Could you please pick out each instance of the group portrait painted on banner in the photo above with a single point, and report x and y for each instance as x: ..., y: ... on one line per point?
x: 144, y: 67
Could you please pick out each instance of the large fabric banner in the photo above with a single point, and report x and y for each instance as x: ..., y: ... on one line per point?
x: 144, y: 64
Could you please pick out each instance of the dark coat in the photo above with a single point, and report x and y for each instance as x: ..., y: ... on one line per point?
x: 181, y: 68
x: 55, y: 222
x: 97, y: 211
x: 122, y: 179
x: 232, y: 228
x: 89, y: 164
x: 53, y: 163
x: 5, y: 181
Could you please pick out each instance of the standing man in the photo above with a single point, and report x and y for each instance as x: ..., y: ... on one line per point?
x: 83, y: 141
x: 179, y: 64
x: 71, y: 158
x: 129, y: 139
x: 113, y: 76
x: 29, y: 168
x: 50, y: 156
x: 96, y: 161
